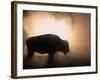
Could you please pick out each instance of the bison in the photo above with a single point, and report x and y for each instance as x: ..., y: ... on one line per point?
x: 48, y: 43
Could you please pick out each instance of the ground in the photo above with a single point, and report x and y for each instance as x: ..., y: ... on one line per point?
x: 78, y: 56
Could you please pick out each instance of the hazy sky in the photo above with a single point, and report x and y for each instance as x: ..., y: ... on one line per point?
x: 69, y: 26
x: 74, y: 27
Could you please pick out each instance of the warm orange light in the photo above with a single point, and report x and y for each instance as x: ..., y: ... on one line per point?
x: 40, y: 23
x: 51, y: 26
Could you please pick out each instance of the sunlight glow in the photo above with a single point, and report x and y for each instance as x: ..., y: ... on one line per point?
x: 50, y: 26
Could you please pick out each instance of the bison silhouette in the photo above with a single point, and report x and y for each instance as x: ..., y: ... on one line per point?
x: 48, y: 43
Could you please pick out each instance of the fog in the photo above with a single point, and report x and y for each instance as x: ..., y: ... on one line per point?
x: 74, y: 27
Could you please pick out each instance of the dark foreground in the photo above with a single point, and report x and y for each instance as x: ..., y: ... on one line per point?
x: 78, y: 56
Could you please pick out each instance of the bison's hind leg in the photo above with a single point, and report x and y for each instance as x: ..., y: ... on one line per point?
x: 30, y: 54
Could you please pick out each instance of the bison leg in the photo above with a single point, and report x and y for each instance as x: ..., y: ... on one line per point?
x: 50, y: 59
x: 30, y: 54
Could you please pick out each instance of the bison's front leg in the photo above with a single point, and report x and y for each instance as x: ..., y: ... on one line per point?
x: 50, y: 59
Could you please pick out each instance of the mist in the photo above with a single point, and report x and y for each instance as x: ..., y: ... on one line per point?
x: 74, y: 27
